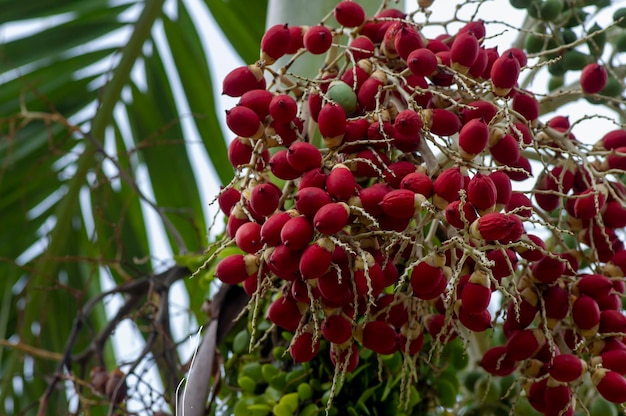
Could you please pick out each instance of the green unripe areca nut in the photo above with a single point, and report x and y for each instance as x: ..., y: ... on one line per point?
x: 550, y: 10
x: 342, y: 94
x: 619, y: 13
x: 520, y: 4
x: 620, y: 42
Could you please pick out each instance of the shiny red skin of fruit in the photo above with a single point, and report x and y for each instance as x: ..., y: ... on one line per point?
x: 227, y: 199
x: 448, y: 184
x: 504, y: 188
x: 480, y: 64
x: 558, y: 400
x: 295, y: 42
x: 379, y: 337
x: 585, y: 312
x: 612, y: 387
x: 284, y: 262
x: 334, y: 291
x: 281, y: 167
x: 464, y: 50
x: 315, y: 261
x: 284, y: 312
x: 341, y: 184
x: 418, y: 183
x: 594, y: 285
x: 297, y: 233
x: 303, y: 349
x: 475, y: 322
x: 506, y: 150
x: 526, y: 169
x: 331, y: 218
x: 332, y: 120
x: 615, y: 360
x: 318, y: 39
x: 303, y: 156
x: 314, y: 178
x: 349, y: 14
x: 527, y: 105
x: 372, y: 196
x: 453, y: 214
x: 283, y: 108
x: 612, y: 321
x: 270, y: 230
x: 521, y: 204
x: 309, y: 200
x: 614, y: 139
x: 399, y: 203
x: 504, y: 260
x: 501, y: 227
x: 368, y: 92
x: 232, y: 269
x: 444, y: 122
x: 242, y: 121
x: 588, y: 204
x: 407, y: 40
x: 504, y: 73
x: 556, y: 300
x: 248, y: 237
x: 347, y: 359
x: 522, y: 345
x: 275, y: 42
x: 336, y: 329
x: 239, y: 81
x: 566, y: 368
x: 474, y: 136
x: 425, y: 278
x: 397, y: 172
x: 497, y: 363
x: 422, y: 62
x: 475, y: 298
x: 264, y: 198
x: 614, y: 215
x: 548, y: 269
x: 481, y: 192
x: 593, y: 78
x: 258, y: 101
x: 361, y: 47
x: 481, y: 109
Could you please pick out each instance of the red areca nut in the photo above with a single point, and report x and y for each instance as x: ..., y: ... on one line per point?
x: 504, y: 74
x: 303, y: 156
x: 586, y: 315
x: 248, y: 237
x: 285, y: 313
x: 371, y: 197
x: 460, y: 218
x: 316, y: 258
x: 610, y: 385
x: 236, y: 268
x: 520, y: 204
x: 337, y: 328
x: 340, y: 183
x: 360, y: 47
x: 474, y: 322
x: 482, y: 193
x: 614, y: 360
x: 275, y: 43
x: 419, y: 183
x: 242, y: 79
x: 331, y: 218
x: 567, y: 368
x: 496, y: 362
x: 590, y: 202
x: 612, y: 140
x: 349, y: 14
x: 525, y: 343
x: 476, y: 293
x: 446, y: 187
x: 304, y: 347
x: 297, y: 233
x: 526, y: 105
x: 283, y: 108
x: 442, y: 122
x: 332, y: 124
x: 426, y: 276
x: 244, y: 122
x: 402, y: 203
x: 422, y: 61
x: 497, y: 226
x: 593, y: 78
x: 271, y: 228
x: 317, y: 39
x: 407, y: 40
x: 379, y: 337
x: 504, y: 148
x: 473, y: 138
x: 258, y: 101
x: 464, y: 52
x: 309, y: 200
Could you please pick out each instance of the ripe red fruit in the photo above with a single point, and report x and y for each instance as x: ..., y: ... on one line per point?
x: 304, y: 348
x: 242, y: 79
x: 380, y: 337
x: 558, y: 400
x: 418, y: 183
x: 474, y: 322
x: 248, y: 237
x: 453, y: 214
x: 614, y: 215
x: 612, y: 321
x: 361, y: 47
x: 303, y: 156
x: 275, y: 43
x: 610, y: 385
x: 314, y: 178
x: 309, y: 200
x: 497, y: 226
x: 258, y: 101
x: 464, y: 52
x: 496, y: 362
x: 285, y: 313
x: 331, y: 218
x: 340, y: 183
x: 347, y: 358
x: 567, y: 368
x: 244, y: 122
x: 422, y: 62
x: 283, y: 262
x: 332, y: 124
x: 236, y: 268
x: 520, y: 204
x: 504, y: 74
x: 593, y: 78
x: 586, y: 315
x: 283, y: 108
x: 337, y: 329
x: 442, y: 122
x: 476, y: 293
x: 264, y: 198
x: 368, y: 93
x: 227, y: 199
x: 349, y: 14
x: 556, y: 301
x: 295, y: 41
x: 397, y: 172
x: 473, y: 138
x: 594, y: 285
x: 504, y: 148
x: 406, y: 40
x: 281, y: 167
x: 612, y: 140
x: 447, y: 186
x: 504, y: 261
x: 482, y: 193
x: 334, y: 289
x: 401, y: 203
x: 270, y: 230
x: 503, y: 187
x: 297, y: 233
x: 316, y: 259
x: 614, y: 360
x: 548, y: 269
x: 590, y: 202
x: 318, y: 39
x: 525, y: 343
x: 427, y: 275
x: 527, y: 105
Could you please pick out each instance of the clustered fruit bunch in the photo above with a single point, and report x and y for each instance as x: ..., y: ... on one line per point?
x: 376, y: 205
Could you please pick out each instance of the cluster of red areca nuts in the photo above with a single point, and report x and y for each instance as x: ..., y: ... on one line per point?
x: 404, y: 219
